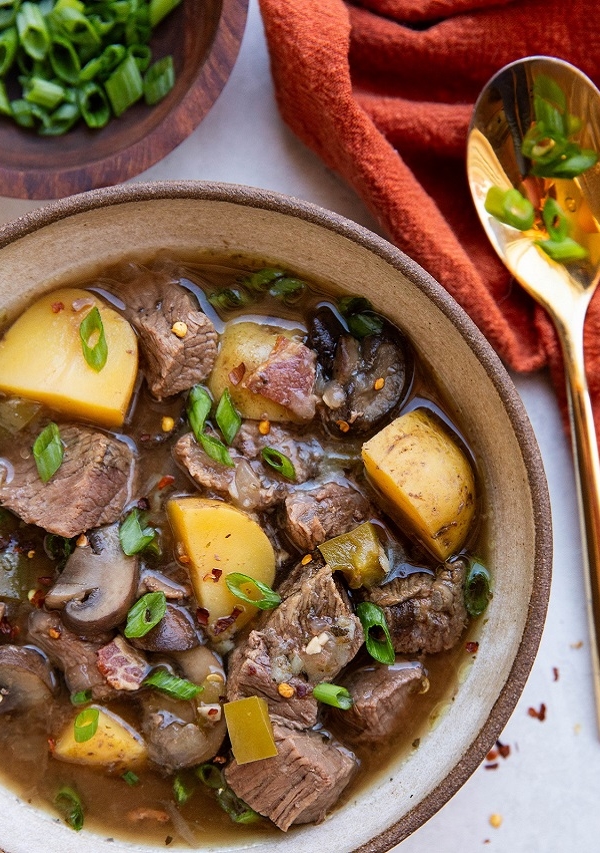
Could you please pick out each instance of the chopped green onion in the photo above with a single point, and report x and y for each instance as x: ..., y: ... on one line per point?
x: 32, y: 29
x: 510, y: 207
x: 134, y: 534
x: 362, y: 325
x: 289, y: 290
x: 9, y: 41
x: 268, y: 597
x: 159, y: 9
x: 86, y: 724
x: 143, y: 56
x: 5, y: 108
x: 280, y: 462
x: 211, y: 776
x: 199, y: 405
x: 555, y: 220
x: 81, y: 697
x: 172, y: 685
x: 158, y: 80
x: 372, y: 619
x: 182, y: 791
x: 61, y: 120
x: 44, y: 93
x: 477, y: 592
x: 130, y: 777
x: 145, y: 614
x: 92, y: 329
x: 216, y: 450
x: 227, y: 417
x: 124, y: 86
x: 64, y: 59
x: 263, y: 279
x: 333, y: 694
x: 563, y: 251
x: 238, y: 810
x: 93, y: 105
x: 568, y: 166
x: 349, y: 305
x: 70, y: 805
x: 229, y: 298
x: 48, y: 452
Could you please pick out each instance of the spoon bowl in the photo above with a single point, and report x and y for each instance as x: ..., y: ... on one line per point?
x: 521, y: 102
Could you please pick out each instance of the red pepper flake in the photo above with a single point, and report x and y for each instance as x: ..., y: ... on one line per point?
x: 57, y: 307
x: 216, y: 574
x: 493, y: 766
x: 472, y: 647
x: 38, y: 598
x: 237, y: 374
x: 51, y: 745
x: 165, y: 481
x: 11, y: 631
x: 225, y: 622
x: 538, y: 715
x: 492, y: 755
x: 555, y: 673
x: 503, y: 749
x: 202, y: 615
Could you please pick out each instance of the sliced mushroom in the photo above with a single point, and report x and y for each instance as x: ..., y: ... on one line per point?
x: 26, y: 678
x: 98, y: 584
x: 175, y: 632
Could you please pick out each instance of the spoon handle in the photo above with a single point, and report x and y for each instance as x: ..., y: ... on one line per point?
x: 587, y: 471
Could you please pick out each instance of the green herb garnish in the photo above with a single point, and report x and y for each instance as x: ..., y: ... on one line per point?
x: 134, y: 533
x: 267, y: 598
x: 67, y: 800
x: 86, y: 724
x: 145, y: 614
x: 377, y: 634
x: 280, y: 462
x: 227, y: 417
x: 93, y: 339
x: 333, y: 694
x: 48, y: 451
x: 172, y: 685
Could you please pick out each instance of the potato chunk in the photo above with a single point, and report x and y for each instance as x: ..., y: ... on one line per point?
x: 115, y: 745
x: 41, y: 358
x: 244, y: 347
x: 417, y: 465
x: 218, y: 539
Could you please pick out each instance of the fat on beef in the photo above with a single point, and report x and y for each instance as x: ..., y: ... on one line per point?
x: 287, y: 377
x: 315, y: 515
x: 178, y: 341
x: 90, y: 489
x: 425, y: 612
x: 307, y: 639
x: 298, y: 785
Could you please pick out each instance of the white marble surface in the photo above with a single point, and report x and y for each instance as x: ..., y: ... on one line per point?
x: 547, y: 792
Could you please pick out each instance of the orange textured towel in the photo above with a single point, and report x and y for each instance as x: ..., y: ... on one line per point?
x: 383, y: 91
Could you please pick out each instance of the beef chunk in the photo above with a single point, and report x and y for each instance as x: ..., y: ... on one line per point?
x: 91, y: 487
x: 424, y: 612
x: 77, y: 658
x: 174, y: 358
x: 287, y: 377
x: 383, y: 700
x: 312, y: 517
x: 122, y: 666
x: 302, y: 447
x: 298, y: 785
x: 309, y: 638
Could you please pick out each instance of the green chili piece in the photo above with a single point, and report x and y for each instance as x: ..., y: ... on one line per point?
x: 48, y: 451
x: 267, y: 599
x: 145, y: 614
x: 86, y: 724
x: 159, y: 79
x: 372, y: 619
x: 67, y: 800
x: 227, y: 417
x: 280, y: 462
x: 334, y: 695
x: 172, y: 685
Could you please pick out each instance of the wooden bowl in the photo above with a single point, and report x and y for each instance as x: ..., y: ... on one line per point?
x: 74, y: 237
x: 204, y: 37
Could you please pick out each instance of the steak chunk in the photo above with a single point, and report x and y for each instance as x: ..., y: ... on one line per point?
x: 121, y: 665
x: 300, y: 784
x: 331, y: 509
x: 287, y: 377
x: 90, y: 489
x: 174, y: 357
x: 425, y: 613
x: 384, y: 699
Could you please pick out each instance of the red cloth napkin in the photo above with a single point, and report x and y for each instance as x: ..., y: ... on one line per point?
x: 383, y: 91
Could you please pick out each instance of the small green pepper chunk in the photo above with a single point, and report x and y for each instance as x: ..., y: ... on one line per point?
x: 510, y: 207
x: 358, y: 554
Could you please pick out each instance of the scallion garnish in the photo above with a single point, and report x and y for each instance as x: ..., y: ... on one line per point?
x: 227, y: 417
x: 333, y: 694
x: 267, y: 598
x: 477, y: 590
x: 262, y: 279
x: 199, y: 404
x: 86, y: 724
x: 48, y: 451
x: 124, y: 86
x: 182, y: 789
x: 93, y: 339
x: 210, y: 775
x: 145, y: 614
x: 372, y: 619
x: 230, y: 298
x: 67, y: 800
x: 134, y: 533
x: 158, y: 80
x: 82, y: 697
x: 130, y: 777
x: 287, y: 289
x: 359, y: 315
x: 280, y: 462
x: 216, y: 450
x: 238, y: 810
x: 172, y: 685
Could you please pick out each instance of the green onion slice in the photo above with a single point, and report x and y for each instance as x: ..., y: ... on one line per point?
x: 372, y: 619
x: 477, y: 591
x: 227, y: 417
x: 124, y: 86
x: 158, y: 80
x: 93, y: 340
x: 172, y: 685
x: 48, y: 451
x: 82, y: 697
x: 211, y: 776
x: 33, y: 32
x: 267, y: 599
x: 86, y: 724
x: 229, y: 298
x: 134, y: 534
x: 216, y: 450
x: 333, y: 694
x: 237, y: 809
x: 130, y: 777
x: 160, y: 9
x: 555, y: 220
x: 199, y: 405
x: 67, y: 800
x: 145, y: 614
x: 362, y: 325
x: 182, y: 790
x: 510, y: 207
x: 262, y: 279
x: 280, y: 462
x: 288, y: 289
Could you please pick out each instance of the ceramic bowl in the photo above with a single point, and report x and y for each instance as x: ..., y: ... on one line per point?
x: 204, y: 38
x: 73, y: 237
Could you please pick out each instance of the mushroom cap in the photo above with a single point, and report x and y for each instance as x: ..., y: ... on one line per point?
x: 26, y: 678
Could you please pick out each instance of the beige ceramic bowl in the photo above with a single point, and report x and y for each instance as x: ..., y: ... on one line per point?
x: 72, y: 237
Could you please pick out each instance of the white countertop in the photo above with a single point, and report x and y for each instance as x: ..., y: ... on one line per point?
x: 547, y: 791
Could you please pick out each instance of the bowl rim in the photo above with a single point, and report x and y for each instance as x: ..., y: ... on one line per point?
x: 269, y: 200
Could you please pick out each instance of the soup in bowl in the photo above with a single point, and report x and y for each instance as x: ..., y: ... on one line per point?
x: 275, y: 531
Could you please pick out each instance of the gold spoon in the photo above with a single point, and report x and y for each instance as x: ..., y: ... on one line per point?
x: 506, y: 109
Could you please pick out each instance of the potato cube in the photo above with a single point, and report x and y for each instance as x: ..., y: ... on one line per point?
x: 115, y: 745
x: 250, y: 729
x: 426, y: 477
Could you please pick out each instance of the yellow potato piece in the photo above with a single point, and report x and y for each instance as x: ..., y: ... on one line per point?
x: 219, y: 539
x: 417, y: 465
x: 41, y: 358
x: 115, y: 745
x: 250, y: 729
x: 248, y: 344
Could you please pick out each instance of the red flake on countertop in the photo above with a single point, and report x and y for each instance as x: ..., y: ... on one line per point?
x: 493, y: 766
x: 503, y: 749
x: 555, y: 673
x: 538, y: 715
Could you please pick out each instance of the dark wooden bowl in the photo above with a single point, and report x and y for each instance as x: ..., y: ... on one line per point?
x: 203, y: 37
